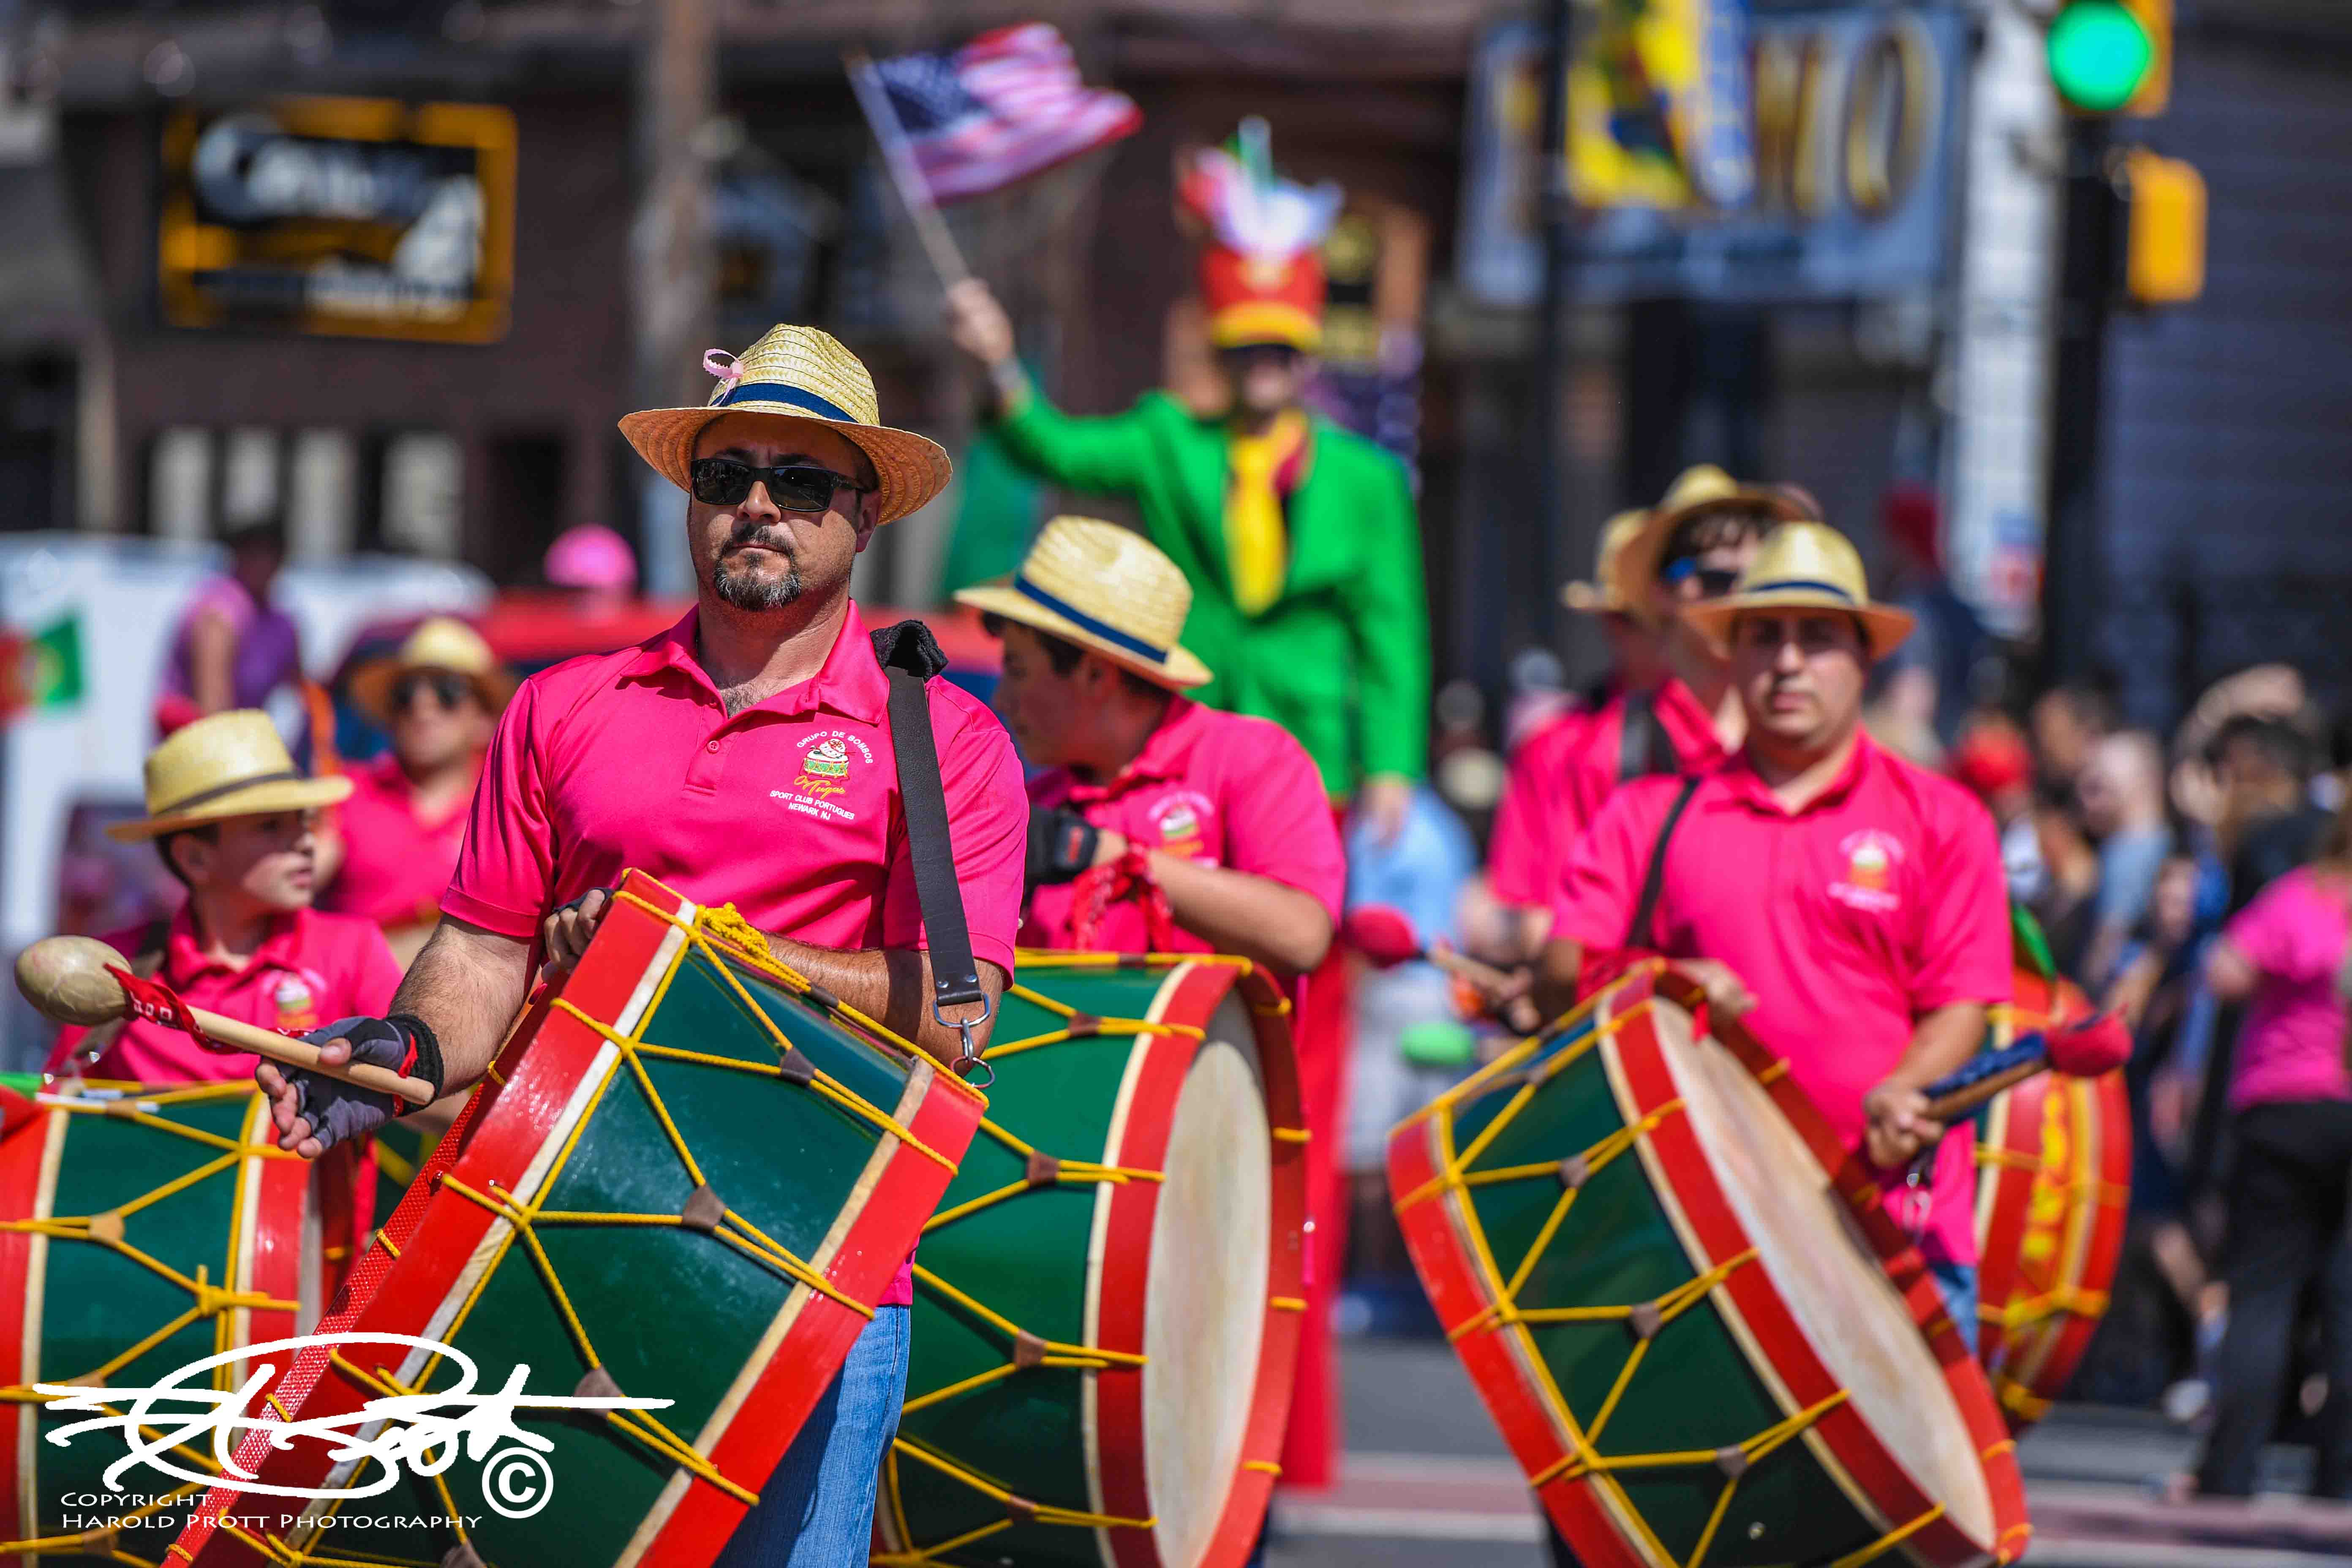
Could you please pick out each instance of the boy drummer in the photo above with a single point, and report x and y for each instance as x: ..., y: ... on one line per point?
x: 236, y: 824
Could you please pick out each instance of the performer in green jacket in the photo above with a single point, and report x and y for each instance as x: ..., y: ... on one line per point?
x: 1298, y: 536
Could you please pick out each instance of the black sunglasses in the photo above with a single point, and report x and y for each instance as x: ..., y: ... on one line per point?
x: 1713, y: 582
x: 802, y: 486
x: 1240, y: 355
x: 447, y: 690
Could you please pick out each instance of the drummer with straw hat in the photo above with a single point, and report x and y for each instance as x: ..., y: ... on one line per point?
x: 1670, y: 708
x: 1847, y: 904
x: 436, y: 696
x: 744, y: 756
x: 235, y: 824
x: 1157, y: 823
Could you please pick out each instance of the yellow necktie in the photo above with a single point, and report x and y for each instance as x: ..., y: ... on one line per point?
x: 1256, y: 546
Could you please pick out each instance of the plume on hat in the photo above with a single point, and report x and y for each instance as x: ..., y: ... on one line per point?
x: 1250, y: 208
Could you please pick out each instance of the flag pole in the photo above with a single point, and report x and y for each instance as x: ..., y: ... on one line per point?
x: 897, y: 157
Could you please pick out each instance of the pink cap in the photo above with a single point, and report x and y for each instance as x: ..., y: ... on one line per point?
x: 591, y: 556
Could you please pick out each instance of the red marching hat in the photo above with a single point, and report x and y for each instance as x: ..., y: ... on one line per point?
x: 1261, y: 269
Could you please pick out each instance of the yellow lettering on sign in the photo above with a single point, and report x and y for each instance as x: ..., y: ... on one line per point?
x: 1890, y: 104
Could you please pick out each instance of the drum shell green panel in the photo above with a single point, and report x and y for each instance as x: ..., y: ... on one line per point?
x: 672, y: 1303
x: 1031, y: 1257
x: 1696, y: 1389
x: 245, y: 1230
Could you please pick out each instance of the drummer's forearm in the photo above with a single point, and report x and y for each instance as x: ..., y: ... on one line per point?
x: 1941, y: 1041
x: 1557, y: 970
x: 892, y: 986
x: 467, y: 985
x: 1240, y: 912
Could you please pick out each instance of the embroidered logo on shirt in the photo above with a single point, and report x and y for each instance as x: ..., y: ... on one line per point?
x: 826, y: 756
x: 1871, y: 858
x: 1181, y: 819
x: 298, y: 1009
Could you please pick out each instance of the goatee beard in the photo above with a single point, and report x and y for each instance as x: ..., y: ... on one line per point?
x: 746, y: 592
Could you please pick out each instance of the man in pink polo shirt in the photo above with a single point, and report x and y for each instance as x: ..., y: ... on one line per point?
x: 236, y: 824
x: 1848, y: 905
x: 744, y: 756
x: 1674, y: 710
x: 1160, y: 824
x: 1220, y: 815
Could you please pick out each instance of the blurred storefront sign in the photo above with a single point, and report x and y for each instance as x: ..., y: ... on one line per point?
x: 1816, y: 162
x: 340, y: 215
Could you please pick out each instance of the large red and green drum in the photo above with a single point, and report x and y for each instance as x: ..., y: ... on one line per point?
x: 689, y: 1177
x: 2053, y: 1198
x: 1108, y: 1303
x: 144, y: 1228
x: 1678, y: 1295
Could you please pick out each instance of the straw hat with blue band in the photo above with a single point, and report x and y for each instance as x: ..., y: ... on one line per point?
x: 1804, y: 566
x: 1105, y: 588
x: 224, y: 765
x: 803, y: 377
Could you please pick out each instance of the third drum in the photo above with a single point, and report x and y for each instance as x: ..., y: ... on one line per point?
x: 1705, y: 1342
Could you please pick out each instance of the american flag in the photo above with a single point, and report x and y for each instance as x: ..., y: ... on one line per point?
x: 1005, y: 106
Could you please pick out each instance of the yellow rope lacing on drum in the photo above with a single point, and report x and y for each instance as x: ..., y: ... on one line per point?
x: 1583, y: 1461
x: 139, y: 1106
x: 2080, y: 1183
x: 711, y: 931
x: 1026, y: 1350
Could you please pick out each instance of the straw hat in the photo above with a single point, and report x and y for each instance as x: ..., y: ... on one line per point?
x: 439, y: 643
x: 1805, y: 566
x: 1601, y: 596
x: 1694, y: 490
x: 1105, y: 588
x: 228, y: 765
x: 803, y: 377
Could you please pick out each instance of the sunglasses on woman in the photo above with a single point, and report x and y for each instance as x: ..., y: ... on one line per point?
x: 797, y: 486
x: 447, y: 690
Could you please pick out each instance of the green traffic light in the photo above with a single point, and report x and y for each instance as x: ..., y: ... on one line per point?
x: 2099, y: 55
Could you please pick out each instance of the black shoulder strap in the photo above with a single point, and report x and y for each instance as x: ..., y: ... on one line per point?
x: 910, y: 657
x: 1643, y: 746
x: 1655, y: 880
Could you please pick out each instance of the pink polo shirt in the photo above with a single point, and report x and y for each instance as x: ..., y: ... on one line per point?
x: 2290, y: 1046
x: 396, y: 863
x: 311, y: 970
x: 1560, y: 775
x: 1222, y: 788
x: 788, y: 810
x: 1879, y: 901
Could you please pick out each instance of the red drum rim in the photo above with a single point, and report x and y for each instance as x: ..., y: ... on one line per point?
x: 1192, y: 994
x: 1436, y: 1235
x: 2046, y: 1357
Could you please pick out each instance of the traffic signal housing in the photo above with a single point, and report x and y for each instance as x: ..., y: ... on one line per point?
x: 2164, y: 231
x: 2112, y: 57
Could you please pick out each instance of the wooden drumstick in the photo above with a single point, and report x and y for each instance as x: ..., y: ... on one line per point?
x: 2086, y: 1049
x: 64, y: 977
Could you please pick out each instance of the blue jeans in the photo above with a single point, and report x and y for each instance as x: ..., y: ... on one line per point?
x: 817, y: 1508
x: 1958, y: 1282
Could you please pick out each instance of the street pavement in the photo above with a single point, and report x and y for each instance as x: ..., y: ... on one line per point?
x: 1426, y: 1482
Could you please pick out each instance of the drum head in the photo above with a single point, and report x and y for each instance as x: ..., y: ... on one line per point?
x: 1206, y: 1313
x: 1850, y: 1311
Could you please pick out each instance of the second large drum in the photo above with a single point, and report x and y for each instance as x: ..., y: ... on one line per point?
x: 1107, y: 1304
